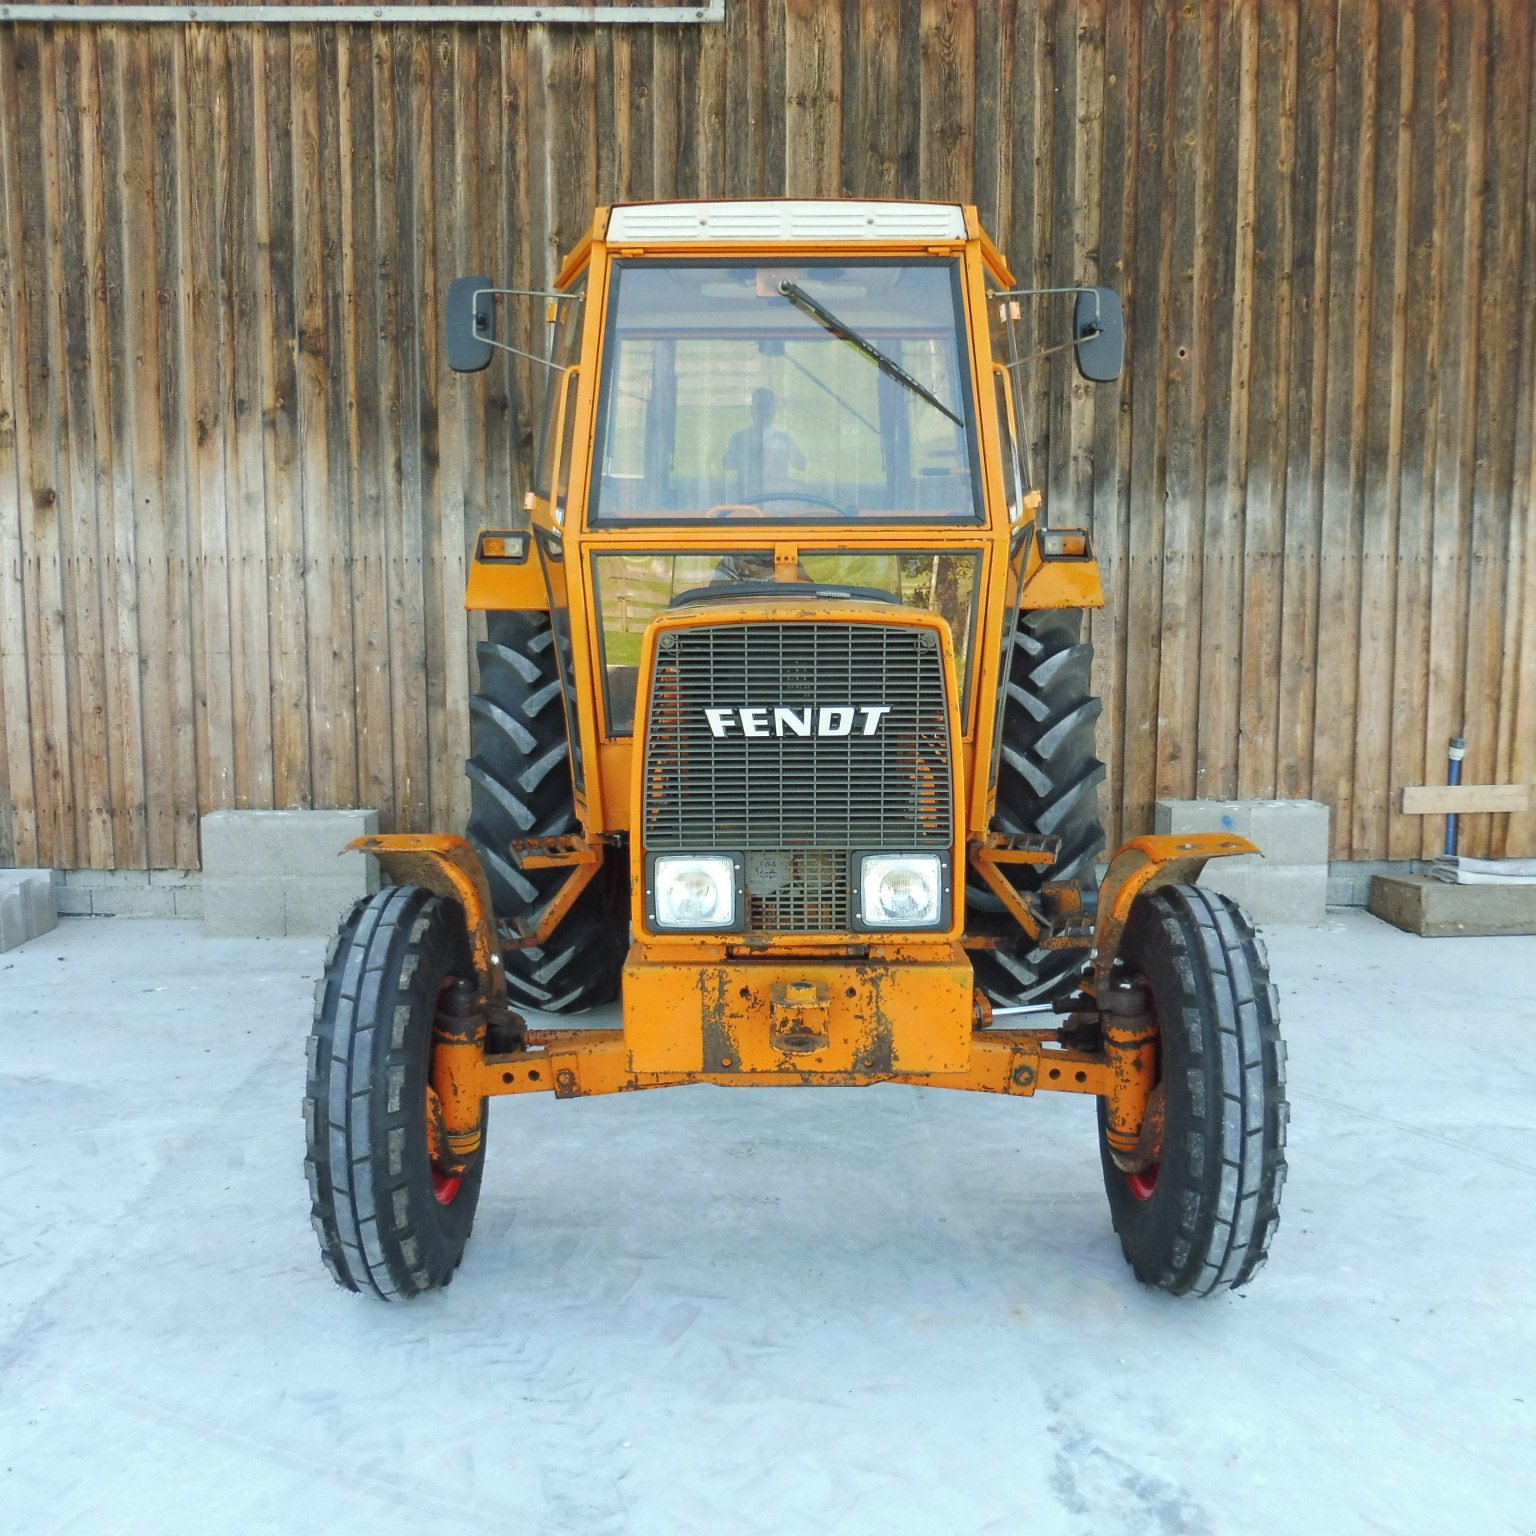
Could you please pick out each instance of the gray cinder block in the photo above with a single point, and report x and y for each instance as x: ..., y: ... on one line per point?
x: 286, y: 844
x: 132, y: 898
x: 1276, y: 893
x: 267, y: 874
x: 1291, y: 831
x: 244, y: 909
x: 1289, y: 882
x: 317, y: 906
x: 1205, y: 816
x: 28, y: 905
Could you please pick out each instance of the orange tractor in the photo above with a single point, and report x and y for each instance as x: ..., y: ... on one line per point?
x: 784, y: 736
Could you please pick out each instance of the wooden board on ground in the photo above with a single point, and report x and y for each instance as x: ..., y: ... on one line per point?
x: 1435, y: 910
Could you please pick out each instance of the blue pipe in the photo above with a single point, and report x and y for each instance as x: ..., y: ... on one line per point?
x: 1453, y: 777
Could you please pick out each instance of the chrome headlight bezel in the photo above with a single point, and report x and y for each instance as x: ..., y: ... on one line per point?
x: 875, y: 867
x: 662, y: 870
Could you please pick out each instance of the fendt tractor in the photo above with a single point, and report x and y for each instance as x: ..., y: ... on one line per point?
x: 784, y: 737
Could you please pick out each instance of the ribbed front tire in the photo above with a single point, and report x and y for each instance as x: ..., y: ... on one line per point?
x: 388, y: 1221
x: 520, y: 786
x: 1048, y: 784
x: 1202, y: 1218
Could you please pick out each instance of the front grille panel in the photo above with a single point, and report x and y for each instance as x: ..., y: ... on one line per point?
x: 797, y: 806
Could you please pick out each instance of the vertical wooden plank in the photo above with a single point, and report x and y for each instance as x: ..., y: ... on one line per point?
x: 1189, y: 340
x: 249, y: 587
x: 143, y: 548
x: 1115, y: 497
x: 742, y: 80
x: 1350, y: 279
x: 1318, y: 94
x: 948, y: 101
x: 320, y: 202
x: 1461, y: 169
x: 400, y: 370
x: 208, y: 363
x: 1229, y: 108
x: 283, y: 511
x: 1133, y: 761
x: 178, y: 842
x: 1273, y: 157
x: 711, y: 128
x: 813, y: 119
x: 775, y: 90
x: 642, y: 134
x: 366, y: 438
x: 989, y: 122
x: 79, y: 180
x: 1415, y: 524
x: 1380, y: 447
x: 18, y: 818
x: 1517, y: 693
x: 1497, y: 341
x: 665, y: 108
x: 38, y: 343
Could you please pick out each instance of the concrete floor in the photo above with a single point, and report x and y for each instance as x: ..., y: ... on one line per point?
x: 877, y: 1311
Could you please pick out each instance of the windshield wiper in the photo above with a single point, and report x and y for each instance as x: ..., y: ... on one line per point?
x: 824, y: 317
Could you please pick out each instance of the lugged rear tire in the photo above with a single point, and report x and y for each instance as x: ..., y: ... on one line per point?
x: 1048, y: 783
x: 1202, y: 1218
x: 520, y: 786
x: 389, y: 1223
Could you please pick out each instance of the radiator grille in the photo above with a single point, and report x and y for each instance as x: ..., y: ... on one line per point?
x: 798, y: 805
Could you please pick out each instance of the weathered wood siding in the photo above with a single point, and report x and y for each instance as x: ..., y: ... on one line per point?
x: 237, y: 483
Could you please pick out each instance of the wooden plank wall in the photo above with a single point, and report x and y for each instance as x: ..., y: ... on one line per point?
x: 237, y: 483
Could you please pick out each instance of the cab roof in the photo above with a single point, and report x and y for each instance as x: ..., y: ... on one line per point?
x: 786, y: 219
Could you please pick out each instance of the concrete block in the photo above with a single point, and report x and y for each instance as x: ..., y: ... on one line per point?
x: 1435, y: 910
x: 189, y: 900
x: 1271, y: 893
x: 73, y: 900
x: 288, y: 844
x: 91, y: 879
x: 243, y: 909
x: 132, y: 898
x: 28, y: 905
x: 1205, y: 816
x: 177, y: 879
x: 13, y: 920
x: 1232, y: 877
x: 316, y: 906
x: 1291, y: 831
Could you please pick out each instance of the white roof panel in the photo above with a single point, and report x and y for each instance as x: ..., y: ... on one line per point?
x: 785, y: 219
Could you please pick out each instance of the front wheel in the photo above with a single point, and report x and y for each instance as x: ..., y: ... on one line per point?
x: 389, y: 1220
x: 1200, y: 1219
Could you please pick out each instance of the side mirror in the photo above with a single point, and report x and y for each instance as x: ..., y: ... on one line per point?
x: 470, y: 324
x: 1098, y: 329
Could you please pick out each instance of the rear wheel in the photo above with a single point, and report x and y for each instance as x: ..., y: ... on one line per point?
x: 520, y: 786
x: 1201, y: 1217
x: 390, y: 1219
x: 1048, y: 784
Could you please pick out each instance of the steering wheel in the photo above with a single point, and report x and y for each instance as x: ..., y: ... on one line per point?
x: 726, y: 509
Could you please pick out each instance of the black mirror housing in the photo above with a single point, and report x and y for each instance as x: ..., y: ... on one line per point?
x: 470, y: 324
x: 1098, y: 329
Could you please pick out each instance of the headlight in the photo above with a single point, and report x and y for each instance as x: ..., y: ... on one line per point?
x: 901, y: 890
x: 694, y: 891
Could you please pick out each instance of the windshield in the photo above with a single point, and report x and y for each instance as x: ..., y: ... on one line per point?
x: 805, y: 393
